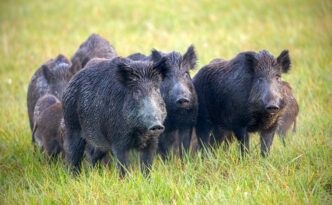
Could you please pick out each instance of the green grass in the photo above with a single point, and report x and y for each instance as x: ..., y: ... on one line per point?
x: 34, y: 31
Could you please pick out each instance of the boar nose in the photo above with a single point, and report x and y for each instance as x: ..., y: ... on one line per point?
x: 182, y: 101
x: 272, y: 108
x: 156, y: 128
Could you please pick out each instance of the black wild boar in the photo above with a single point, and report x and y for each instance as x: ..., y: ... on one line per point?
x: 289, y: 116
x: 94, y: 47
x: 46, y: 131
x: 180, y: 97
x: 50, y: 78
x: 242, y: 95
x: 117, y: 105
x: 285, y: 120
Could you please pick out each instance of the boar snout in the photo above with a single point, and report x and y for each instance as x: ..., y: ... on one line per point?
x: 156, y: 128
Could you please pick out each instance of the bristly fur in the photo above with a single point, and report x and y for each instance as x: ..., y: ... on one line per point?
x: 179, y: 120
x: 234, y: 95
x: 94, y: 47
x: 50, y: 78
x: 289, y: 116
x: 115, y: 103
x: 133, y: 73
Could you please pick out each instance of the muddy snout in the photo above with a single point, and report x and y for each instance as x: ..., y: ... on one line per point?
x: 156, y: 129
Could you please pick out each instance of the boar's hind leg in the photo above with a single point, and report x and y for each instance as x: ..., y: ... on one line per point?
x: 266, y: 142
x: 74, y: 148
x: 185, y: 138
x: 147, y: 155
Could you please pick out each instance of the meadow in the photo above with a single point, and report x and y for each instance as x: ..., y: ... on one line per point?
x: 31, y: 32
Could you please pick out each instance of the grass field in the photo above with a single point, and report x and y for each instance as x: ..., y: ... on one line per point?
x: 34, y: 31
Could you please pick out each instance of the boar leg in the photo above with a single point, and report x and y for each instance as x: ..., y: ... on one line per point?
x: 218, y: 136
x: 75, y: 148
x: 282, y: 135
x: 266, y: 141
x: 203, y: 129
x: 95, y: 154
x: 229, y: 140
x: 242, y: 135
x: 166, y: 140
x: 185, y: 138
x: 121, y: 155
x: 147, y: 155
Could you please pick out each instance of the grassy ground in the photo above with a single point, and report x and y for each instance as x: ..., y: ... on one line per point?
x: 32, y: 32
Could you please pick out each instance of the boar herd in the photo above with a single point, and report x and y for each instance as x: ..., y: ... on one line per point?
x: 98, y: 103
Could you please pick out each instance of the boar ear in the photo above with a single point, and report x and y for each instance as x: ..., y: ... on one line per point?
x: 47, y: 73
x: 284, y: 61
x: 75, y: 64
x: 64, y: 61
x: 251, y: 60
x: 155, y: 55
x: 61, y: 59
x: 190, y: 58
x: 125, y: 74
x: 161, y: 67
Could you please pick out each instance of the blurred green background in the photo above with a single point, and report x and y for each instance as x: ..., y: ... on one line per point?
x: 34, y: 31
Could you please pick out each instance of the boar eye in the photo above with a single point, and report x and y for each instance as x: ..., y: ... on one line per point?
x: 137, y: 92
x: 187, y: 74
x: 278, y: 78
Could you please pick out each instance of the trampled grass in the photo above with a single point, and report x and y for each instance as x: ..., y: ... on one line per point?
x: 34, y: 31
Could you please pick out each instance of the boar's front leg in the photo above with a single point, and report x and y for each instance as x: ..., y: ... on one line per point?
x: 266, y: 141
x: 203, y: 129
x: 147, y: 155
x: 121, y: 155
x: 218, y: 136
x: 282, y: 135
x: 185, y: 138
x: 166, y: 140
x: 242, y: 135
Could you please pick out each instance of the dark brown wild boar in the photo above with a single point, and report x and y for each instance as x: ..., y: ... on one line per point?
x: 289, y: 116
x: 242, y: 95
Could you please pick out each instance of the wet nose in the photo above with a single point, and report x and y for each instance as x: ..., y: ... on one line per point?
x: 272, y: 108
x: 182, y: 101
x: 156, y: 129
